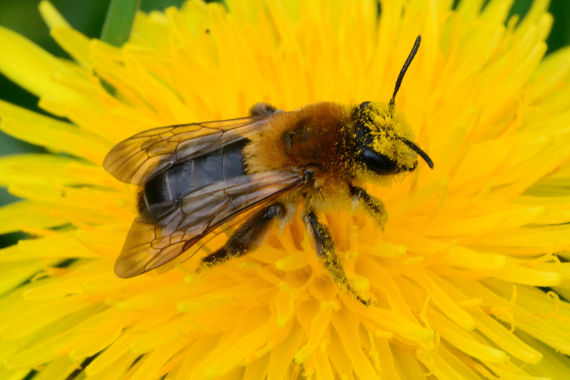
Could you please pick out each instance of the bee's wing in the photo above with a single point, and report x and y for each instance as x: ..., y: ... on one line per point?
x: 144, y: 155
x: 154, y: 242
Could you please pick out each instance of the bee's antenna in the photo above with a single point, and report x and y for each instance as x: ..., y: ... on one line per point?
x: 403, y: 72
x: 416, y: 149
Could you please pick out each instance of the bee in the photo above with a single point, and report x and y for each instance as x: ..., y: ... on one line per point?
x: 255, y: 171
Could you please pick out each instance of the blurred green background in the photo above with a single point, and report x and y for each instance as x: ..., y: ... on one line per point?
x: 88, y: 16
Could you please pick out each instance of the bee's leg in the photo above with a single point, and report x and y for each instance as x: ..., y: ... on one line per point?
x: 262, y: 109
x: 373, y: 206
x: 247, y: 238
x: 324, y: 245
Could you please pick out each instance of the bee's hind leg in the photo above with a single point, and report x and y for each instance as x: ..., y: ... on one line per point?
x: 325, y: 247
x: 373, y: 206
x: 247, y: 238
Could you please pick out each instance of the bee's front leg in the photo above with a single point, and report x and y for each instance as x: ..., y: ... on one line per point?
x: 373, y: 206
x: 325, y: 247
x: 247, y: 238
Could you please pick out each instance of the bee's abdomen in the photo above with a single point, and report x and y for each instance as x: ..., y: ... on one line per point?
x: 159, y: 195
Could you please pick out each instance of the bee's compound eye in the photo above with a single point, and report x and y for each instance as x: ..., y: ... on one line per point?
x: 379, y: 163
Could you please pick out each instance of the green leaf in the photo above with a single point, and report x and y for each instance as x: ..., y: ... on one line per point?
x: 119, y: 21
x: 160, y: 5
x: 560, y: 35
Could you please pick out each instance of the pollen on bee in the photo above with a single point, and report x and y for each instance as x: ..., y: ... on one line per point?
x: 387, y: 126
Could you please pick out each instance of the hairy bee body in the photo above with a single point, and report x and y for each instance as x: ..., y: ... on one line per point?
x: 251, y: 172
x: 320, y: 137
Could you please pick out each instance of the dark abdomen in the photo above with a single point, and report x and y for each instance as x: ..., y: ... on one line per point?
x: 159, y: 195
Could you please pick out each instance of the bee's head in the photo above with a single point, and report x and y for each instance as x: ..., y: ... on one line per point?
x: 384, y: 139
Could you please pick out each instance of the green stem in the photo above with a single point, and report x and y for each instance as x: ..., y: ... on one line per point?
x: 119, y: 21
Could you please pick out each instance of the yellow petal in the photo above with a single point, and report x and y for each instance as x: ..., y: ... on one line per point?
x: 51, y: 133
x: 34, y: 69
x: 28, y: 215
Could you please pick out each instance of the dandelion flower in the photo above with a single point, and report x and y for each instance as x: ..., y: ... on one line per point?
x: 469, y: 280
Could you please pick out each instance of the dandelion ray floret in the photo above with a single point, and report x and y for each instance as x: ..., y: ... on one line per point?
x: 466, y: 279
